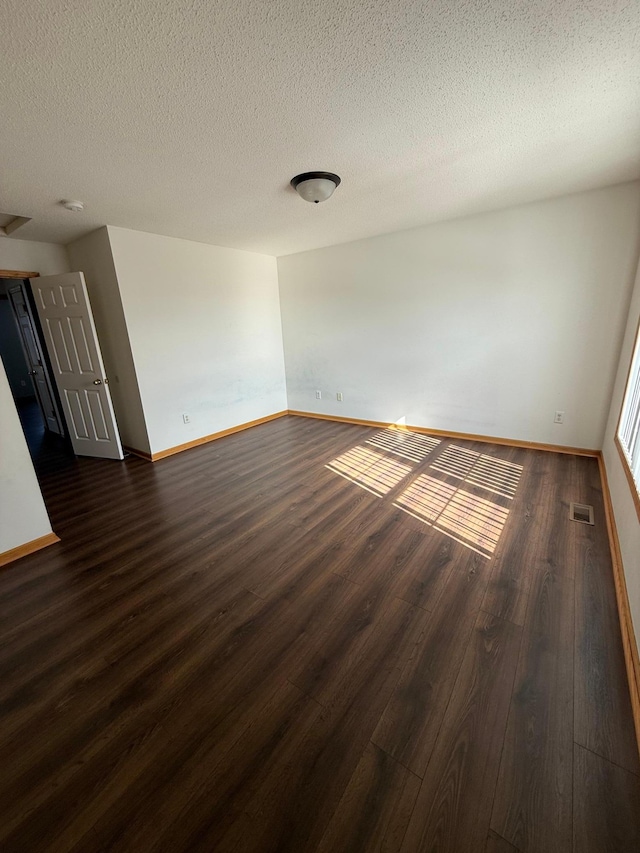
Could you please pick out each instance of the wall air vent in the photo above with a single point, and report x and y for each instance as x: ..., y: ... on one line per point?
x: 581, y: 512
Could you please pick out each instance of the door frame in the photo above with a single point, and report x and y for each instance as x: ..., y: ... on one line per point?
x: 18, y: 274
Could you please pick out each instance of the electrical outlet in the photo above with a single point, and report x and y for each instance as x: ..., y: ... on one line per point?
x: 339, y: 397
x: 186, y: 419
x: 318, y: 395
x: 558, y: 418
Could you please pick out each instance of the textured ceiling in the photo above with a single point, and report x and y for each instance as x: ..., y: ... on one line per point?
x: 189, y: 117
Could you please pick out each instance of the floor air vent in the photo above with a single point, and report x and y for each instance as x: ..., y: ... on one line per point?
x: 581, y: 512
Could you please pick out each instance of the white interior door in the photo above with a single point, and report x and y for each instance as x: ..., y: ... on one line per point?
x: 69, y: 332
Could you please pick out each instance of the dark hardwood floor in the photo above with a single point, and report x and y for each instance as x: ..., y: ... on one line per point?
x: 313, y: 636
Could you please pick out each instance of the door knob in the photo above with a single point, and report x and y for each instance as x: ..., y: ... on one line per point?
x: 97, y: 381
x: 32, y: 372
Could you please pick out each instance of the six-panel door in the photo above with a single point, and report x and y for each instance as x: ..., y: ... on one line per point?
x: 69, y: 332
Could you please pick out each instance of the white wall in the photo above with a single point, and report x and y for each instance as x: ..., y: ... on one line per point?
x: 205, y: 333
x: 45, y: 258
x: 23, y: 516
x: 481, y: 325
x: 92, y: 255
x: 624, y: 509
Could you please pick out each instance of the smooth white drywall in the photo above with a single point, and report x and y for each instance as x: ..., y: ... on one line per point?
x: 45, y: 258
x: 205, y: 333
x: 92, y: 255
x: 624, y: 509
x: 483, y: 325
x: 23, y: 516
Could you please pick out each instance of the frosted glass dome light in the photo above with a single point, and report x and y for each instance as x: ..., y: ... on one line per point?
x: 315, y: 186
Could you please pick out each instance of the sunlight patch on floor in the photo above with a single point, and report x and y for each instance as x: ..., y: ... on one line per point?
x: 408, y: 445
x: 479, y: 469
x: 370, y: 469
x: 471, y: 520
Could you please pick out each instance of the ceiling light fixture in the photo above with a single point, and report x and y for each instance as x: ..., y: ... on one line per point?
x: 74, y: 206
x: 315, y: 186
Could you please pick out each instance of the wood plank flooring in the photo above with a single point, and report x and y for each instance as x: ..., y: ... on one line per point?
x: 317, y: 637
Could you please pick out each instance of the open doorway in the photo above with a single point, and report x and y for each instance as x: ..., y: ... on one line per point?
x: 28, y: 370
x: 59, y: 342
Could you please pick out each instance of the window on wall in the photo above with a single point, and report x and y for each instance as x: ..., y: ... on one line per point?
x: 628, y: 435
